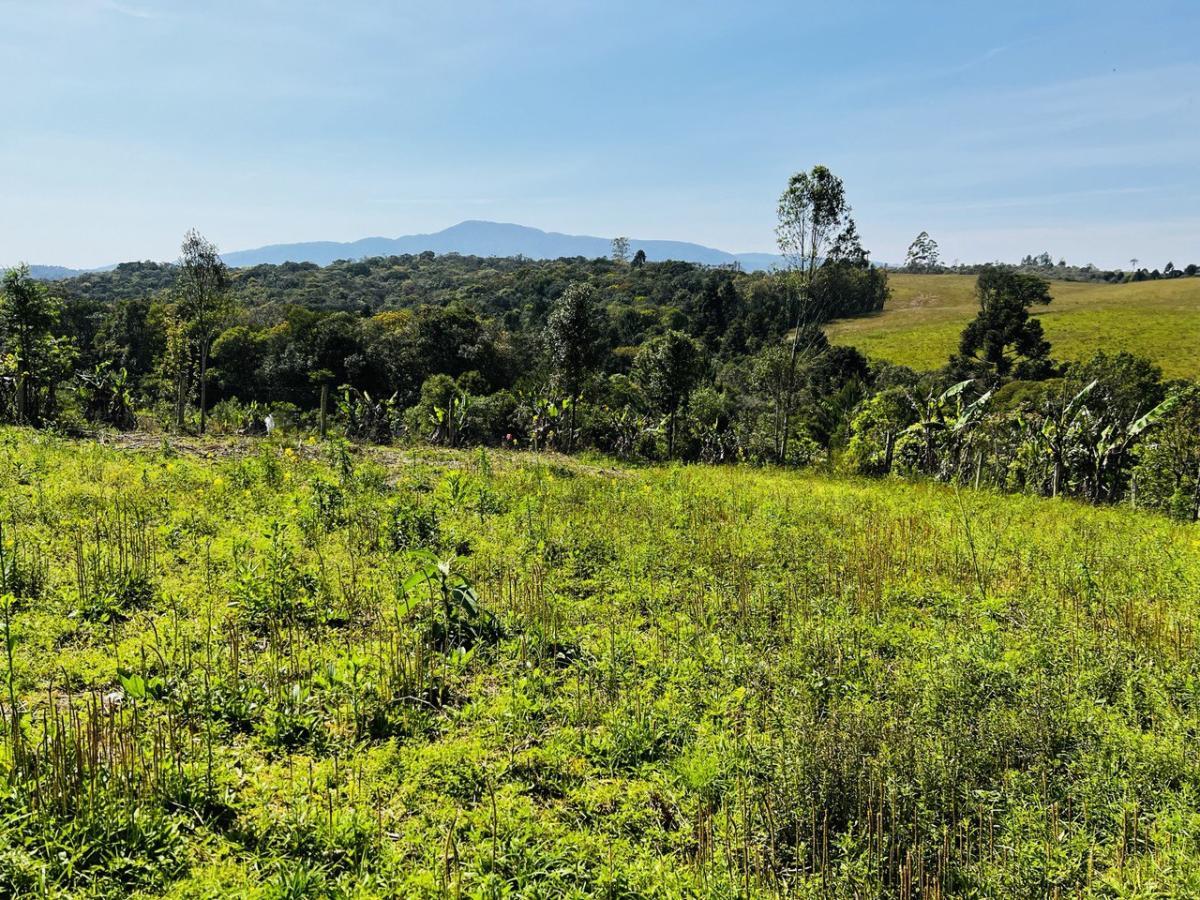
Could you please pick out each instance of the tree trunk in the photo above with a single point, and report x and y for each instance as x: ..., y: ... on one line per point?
x: 1196, y: 497
x: 324, y: 407
x: 571, y: 437
x: 26, y: 414
x: 779, y: 429
x: 789, y: 385
x: 203, y: 385
x: 22, y: 398
x: 784, y: 439
x: 671, y: 437
x: 180, y: 397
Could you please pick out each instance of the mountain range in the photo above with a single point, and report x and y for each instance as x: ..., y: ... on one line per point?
x: 479, y: 238
x: 472, y: 238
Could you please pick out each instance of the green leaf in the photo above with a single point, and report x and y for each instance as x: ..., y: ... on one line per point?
x: 133, y: 684
x: 1153, y: 416
x: 954, y: 390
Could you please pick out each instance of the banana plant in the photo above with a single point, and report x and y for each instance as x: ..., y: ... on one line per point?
x: 934, y: 417
x: 1108, y: 450
x: 366, y: 417
x: 449, y: 422
x: 107, y: 396
x: 1055, y: 435
x: 545, y: 416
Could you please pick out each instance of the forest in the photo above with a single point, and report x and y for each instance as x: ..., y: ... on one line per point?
x: 629, y: 358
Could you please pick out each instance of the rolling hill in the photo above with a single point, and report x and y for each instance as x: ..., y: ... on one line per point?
x: 54, y: 273
x: 921, y: 322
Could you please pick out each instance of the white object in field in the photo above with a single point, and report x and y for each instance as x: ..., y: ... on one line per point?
x: 269, y: 421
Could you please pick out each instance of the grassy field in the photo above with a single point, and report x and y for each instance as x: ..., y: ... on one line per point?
x: 238, y: 671
x: 921, y: 323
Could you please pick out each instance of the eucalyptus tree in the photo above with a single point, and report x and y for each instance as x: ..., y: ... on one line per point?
x: 203, y: 301
x: 922, y: 254
x: 620, y: 250
x: 812, y: 211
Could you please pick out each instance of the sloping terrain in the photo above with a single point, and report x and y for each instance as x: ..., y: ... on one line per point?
x: 238, y: 670
x: 920, y: 324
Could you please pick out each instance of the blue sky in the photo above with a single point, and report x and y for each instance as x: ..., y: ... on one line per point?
x: 1001, y: 128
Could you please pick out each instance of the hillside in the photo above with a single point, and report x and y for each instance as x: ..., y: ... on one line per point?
x: 920, y: 324
x: 241, y: 675
x: 53, y: 273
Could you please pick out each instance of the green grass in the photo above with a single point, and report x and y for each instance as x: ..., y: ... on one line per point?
x: 706, y: 682
x: 920, y: 324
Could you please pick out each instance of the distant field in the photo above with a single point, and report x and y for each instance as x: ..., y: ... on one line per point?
x: 920, y: 325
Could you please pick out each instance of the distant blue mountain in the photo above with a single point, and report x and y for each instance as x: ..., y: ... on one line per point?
x: 477, y: 238
x: 470, y: 238
x: 53, y: 273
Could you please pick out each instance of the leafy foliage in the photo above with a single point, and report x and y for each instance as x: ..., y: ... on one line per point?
x: 1003, y: 341
x: 484, y: 674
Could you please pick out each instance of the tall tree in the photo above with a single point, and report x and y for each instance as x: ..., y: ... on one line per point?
x: 574, y: 334
x: 811, y: 211
x: 922, y: 254
x: 847, y: 247
x: 1003, y: 341
x: 620, y: 249
x: 204, y: 302
x: 668, y: 368
x: 27, y: 315
x: 714, y: 308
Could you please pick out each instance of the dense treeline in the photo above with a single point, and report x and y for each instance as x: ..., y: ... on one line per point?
x: 398, y: 341
x: 924, y: 257
x: 635, y: 359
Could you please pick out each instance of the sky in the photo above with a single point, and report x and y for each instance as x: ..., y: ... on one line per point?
x: 1000, y: 128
